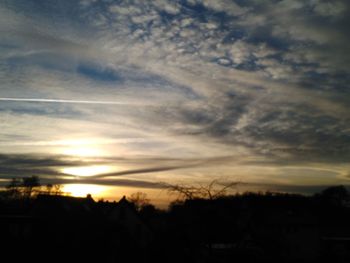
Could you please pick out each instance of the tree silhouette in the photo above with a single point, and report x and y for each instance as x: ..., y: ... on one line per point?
x: 30, y: 184
x: 139, y: 199
x: 57, y: 189
x: 49, y: 188
x: 335, y: 195
x: 213, y: 190
x: 27, y: 187
x: 13, y: 188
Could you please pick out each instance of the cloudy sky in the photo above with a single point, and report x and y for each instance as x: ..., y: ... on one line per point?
x: 132, y: 93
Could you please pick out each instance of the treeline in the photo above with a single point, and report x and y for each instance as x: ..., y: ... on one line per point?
x: 206, y: 223
x: 28, y: 187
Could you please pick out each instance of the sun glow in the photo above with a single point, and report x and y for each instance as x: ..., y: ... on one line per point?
x: 88, y: 147
x: 81, y: 190
x: 87, y: 170
x: 82, y: 151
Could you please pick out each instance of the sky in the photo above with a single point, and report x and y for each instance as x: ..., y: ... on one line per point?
x: 123, y: 95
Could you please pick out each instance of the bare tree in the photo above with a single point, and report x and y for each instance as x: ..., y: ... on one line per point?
x: 57, y: 189
x: 49, y: 189
x: 213, y: 190
x: 139, y: 199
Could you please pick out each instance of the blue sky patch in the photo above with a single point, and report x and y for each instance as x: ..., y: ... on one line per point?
x: 99, y: 73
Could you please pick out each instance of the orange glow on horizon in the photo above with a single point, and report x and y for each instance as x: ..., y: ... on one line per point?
x: 81, y: 190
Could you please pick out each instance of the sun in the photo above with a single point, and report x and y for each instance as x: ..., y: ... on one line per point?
x: 87, y: 170
x: 82, y: 190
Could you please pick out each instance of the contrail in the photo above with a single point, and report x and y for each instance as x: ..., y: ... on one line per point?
x: 67, y: 101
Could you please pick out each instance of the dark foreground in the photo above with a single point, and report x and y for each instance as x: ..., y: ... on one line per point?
x: 245, y: 228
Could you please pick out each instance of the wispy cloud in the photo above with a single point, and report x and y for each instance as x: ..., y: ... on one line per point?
x: 189, y: 79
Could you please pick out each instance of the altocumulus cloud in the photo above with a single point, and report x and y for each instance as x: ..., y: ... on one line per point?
x: 267, y: 81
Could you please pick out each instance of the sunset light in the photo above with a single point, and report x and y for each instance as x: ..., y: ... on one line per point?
x: 204, y: 130
x: 87, y: 170
x: 81, y: 190
x: 87, y: 147
x: 81, y: 151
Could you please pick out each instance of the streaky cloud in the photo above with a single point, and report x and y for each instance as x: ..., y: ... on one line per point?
x: 265, y: 84
x: 146, y: 170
